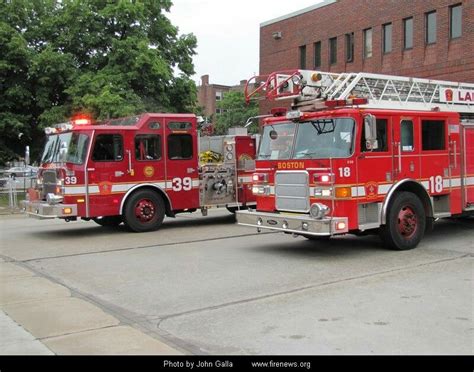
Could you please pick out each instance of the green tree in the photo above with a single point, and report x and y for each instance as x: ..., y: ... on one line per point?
x: 235, y: 112
x: 106, y: 58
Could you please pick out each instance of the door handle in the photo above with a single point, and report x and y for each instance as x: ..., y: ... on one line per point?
x: 119, y: 173
x: 400, y: 157
x: 455, y: 151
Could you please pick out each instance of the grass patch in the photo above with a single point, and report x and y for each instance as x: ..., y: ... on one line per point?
x: 5, y: 201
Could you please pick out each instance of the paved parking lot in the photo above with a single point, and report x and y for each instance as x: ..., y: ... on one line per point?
x: 203, y: 285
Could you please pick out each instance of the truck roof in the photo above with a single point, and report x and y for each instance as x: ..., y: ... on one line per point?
x: 133, y: 122
x: 351, y: 111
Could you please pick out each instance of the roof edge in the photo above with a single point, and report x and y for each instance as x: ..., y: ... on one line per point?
x: 298, y: 12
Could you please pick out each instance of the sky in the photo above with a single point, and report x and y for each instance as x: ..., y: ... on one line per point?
x: 228, y: 33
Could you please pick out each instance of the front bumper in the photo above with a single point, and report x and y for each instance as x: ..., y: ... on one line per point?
x: 295, y: 224
x: 42, y: 210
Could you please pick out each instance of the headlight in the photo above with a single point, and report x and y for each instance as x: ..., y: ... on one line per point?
x: 318, y: 210
x: 53, y: 199
x: 260, y: 190
x: 322, y: 192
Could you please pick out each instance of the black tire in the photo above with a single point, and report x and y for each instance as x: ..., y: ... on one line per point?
x: 322, y: 238
x: 406, y: 222
x: 109, y: 221
x: 235, y: 209
x: 144, y: 211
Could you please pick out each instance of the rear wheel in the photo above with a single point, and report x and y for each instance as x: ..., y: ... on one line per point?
x: 406, y: 222
x: 108, y: 221
x: 144, y: 211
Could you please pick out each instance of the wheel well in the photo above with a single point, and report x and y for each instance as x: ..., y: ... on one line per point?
x: 409, y: 186
x: 159, y: 191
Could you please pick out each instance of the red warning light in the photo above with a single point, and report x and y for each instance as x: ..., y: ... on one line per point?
x: 81, y: 120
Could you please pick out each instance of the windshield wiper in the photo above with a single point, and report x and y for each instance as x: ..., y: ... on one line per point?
x: 320, y: 126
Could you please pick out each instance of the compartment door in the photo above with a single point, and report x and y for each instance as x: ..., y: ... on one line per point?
x: 468, y: 166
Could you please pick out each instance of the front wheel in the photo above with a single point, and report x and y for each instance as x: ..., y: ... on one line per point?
x: 316, y: 237
x: 235, y: 209
x: 406, y: 222
x: 144, y: 211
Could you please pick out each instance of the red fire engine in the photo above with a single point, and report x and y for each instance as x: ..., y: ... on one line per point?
x: 138, y: 169
x: 361, y: 153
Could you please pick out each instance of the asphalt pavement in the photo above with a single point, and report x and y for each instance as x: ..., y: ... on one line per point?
x: 203, y: 285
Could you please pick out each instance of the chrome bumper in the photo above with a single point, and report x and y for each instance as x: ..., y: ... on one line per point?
x: 295, y: 224
x: 43, y: 210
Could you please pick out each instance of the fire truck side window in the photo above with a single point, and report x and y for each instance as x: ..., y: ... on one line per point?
x: 180, y: 146
x: 147, y: 147
x: 407, y: 135
x: 381, y: 137
x: 433, y: 135
x: 108, y: 147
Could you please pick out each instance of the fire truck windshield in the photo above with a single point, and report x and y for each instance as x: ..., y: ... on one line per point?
x: 277, y: 141
x: 316, y: 139
x: 65, y: 147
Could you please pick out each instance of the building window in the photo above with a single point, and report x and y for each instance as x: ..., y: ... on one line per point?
x: 317, y: 54
x: 387, y: 38
x: 455, y: 21
x: 368, y: 43
x: 303, y: 57
x: 333, y: 51
x: 430, y: 20
x: 219, y: 96
x: 408, y: 33
x: 433, y: 135
x: 350, y: 47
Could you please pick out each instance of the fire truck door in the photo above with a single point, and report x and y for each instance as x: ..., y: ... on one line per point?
x: 107, y: 169
x: 148, y: 157
x: 374, y: 165
x: 434, y: 155
x: 405, y: 148
x: 182, y: 177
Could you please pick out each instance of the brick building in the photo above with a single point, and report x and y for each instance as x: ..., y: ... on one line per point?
x: 210, y: 94
x: 420, y: 38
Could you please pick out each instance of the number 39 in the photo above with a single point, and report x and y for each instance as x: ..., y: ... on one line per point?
x: 185, y: 184
x: 70, y: 180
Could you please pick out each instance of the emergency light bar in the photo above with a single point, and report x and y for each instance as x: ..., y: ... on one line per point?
x: 62, y: 127
x: 82, y: 120
x: 346, y: 102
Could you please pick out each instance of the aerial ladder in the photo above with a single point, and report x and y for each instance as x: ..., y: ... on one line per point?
x: 312, y: 90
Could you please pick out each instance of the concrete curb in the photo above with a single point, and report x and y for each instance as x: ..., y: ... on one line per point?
x: 39, y: 317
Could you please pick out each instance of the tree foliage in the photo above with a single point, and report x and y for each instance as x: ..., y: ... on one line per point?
x: 235, y: 113
x: 106, y: 58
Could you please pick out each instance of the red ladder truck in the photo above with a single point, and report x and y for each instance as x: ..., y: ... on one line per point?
x: 138, y: 169
x: 361, y: 153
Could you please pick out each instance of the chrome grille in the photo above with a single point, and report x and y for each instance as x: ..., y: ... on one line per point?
x: 292, y: 191
x: 49, y: 182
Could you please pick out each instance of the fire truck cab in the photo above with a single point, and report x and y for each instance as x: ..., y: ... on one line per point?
x: 361, y: 153
x: 138, y: 169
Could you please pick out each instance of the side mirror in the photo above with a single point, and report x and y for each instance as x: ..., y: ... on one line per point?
x: 370, y: 126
